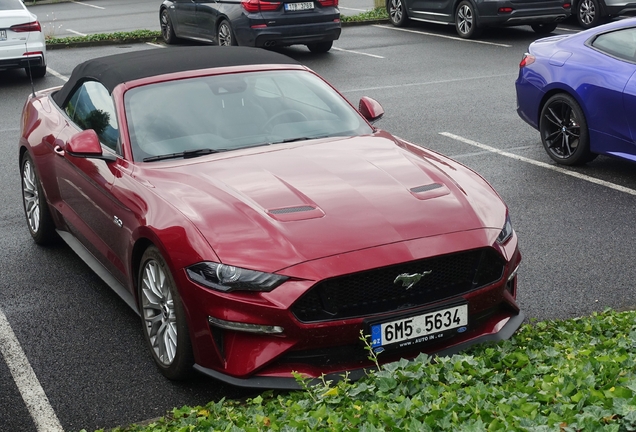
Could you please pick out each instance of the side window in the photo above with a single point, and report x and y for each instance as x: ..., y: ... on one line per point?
x: 91, y: 107
x: 620, y: 43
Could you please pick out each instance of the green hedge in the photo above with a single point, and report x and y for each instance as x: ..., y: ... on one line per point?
x: 561, y: 376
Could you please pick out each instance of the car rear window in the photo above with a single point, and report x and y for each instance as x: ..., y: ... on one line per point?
x: 619, y: 43
x: 11, y: 4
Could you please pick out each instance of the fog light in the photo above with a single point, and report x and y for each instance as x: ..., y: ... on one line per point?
x: 245, y: 327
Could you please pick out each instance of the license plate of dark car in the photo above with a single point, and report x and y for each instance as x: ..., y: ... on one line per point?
x: 426, y: 327
x: 3, y: 35
x: 299, y: 6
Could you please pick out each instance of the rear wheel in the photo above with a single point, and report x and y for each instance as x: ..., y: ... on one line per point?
x: 320, y: 47
x: 466, y: 21
x: 544, y: 28
x: 397, y: 12
x: 36, y: 209
x: 564, y: 132
x: 225, y: 35
x: 167, y: 30
x: 163, y: 317
x: 588, y: 13
x: 36, y: 71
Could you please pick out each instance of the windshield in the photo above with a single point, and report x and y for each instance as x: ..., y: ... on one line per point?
x: 234, y: 111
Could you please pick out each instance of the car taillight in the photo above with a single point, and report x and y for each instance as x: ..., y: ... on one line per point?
x: 328, y: 3
x: 258, y: 5
x: 527, y: 60
x: 28, y: 27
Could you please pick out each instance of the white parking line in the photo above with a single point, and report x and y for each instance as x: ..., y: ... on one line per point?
x: 357, y: 52
x: 540, y: 164
x: 89, y: 5
x: 442, y: 36
x: 155, y: 45
x: 75, y: 32
x: 56, y: 74
x: 353, y: 9
x: 27, y: 382
x: 425, y: 83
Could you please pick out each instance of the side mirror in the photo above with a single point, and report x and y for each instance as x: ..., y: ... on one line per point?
x: 370, y: 109
x: 86, y: 145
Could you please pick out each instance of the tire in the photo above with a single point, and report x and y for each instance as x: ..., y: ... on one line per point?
x: 36, y: 71
x: 588, y: 13
x: 320, y: 47
x: 544, y: 28
x: 36, y: 209
x: 564, y: 132
x: 397, y: 12
x: 225, y: 35
x: 163, y: 317
x: 466, y: 20
x: 167, y: 29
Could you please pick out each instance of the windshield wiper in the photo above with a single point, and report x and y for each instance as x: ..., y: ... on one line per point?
x: 184, y: 154
x: 288, y: 140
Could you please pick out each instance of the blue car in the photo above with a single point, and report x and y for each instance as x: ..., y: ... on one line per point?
x: 579, y: 91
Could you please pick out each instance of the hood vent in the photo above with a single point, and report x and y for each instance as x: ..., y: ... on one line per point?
x: 425, y: 188
x: 288, y: 210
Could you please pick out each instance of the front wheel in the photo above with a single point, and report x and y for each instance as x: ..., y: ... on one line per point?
x: 320, y: 47
x: 163, y: 317
x: 466, y: 21
x: 588, y: 13
x: 544, y: 28
x: 167, y: 29
x: 564, y: 132
x: 397, y: 12
x: 225, y: 35
x: 36, y: 209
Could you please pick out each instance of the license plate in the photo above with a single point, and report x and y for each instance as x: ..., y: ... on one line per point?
x: 3, y: 35
x: 426, y: 327
x: 299, y: 6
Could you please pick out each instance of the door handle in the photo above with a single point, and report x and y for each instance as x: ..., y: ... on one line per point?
x: 58, y: 150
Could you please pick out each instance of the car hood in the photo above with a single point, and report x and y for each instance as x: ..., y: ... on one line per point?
x: 277, y: 206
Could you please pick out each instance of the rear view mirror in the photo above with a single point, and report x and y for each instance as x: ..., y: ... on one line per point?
x: 86, y: 145
x: 370, y: 109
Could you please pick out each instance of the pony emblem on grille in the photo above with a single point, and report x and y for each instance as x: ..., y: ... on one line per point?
x: 408, y: 280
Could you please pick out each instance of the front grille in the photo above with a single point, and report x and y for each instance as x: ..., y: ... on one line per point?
x: 374, y: 291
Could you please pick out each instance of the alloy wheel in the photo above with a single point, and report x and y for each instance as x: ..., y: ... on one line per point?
x: 225, y: 35
x: 465, y: 19
x: 31, y: 196
x: 165, y: 25
x: 562, y: 130
x: 159, y: 312
x: 587, y: 12
x: 395, y: 11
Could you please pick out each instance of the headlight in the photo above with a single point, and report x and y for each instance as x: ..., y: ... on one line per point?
x: 227, y: 278
x: 506, y: 232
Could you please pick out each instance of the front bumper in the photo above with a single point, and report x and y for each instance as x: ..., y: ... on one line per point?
x: 331, y: 347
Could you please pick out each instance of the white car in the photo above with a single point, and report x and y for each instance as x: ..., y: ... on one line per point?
x: 22, y: 43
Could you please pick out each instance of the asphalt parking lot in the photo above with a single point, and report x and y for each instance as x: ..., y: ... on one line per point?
x: 84, y: 346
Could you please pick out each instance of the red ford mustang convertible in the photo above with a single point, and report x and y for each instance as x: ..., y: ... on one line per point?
x: 257, y: 222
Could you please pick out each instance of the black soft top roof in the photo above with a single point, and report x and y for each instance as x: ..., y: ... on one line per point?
x: 119, y: 68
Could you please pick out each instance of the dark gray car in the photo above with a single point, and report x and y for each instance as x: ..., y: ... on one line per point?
x: 471, y: 16
x: 256, y: 23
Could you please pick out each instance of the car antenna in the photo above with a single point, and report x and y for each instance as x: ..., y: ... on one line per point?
x: 29, y: 67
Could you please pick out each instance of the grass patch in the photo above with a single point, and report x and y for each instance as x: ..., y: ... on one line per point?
x: 562, y: 376
x: 117, y: 37
x: 377, y: 14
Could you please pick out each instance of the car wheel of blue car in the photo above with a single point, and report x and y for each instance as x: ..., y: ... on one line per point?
x: 397, y: 12
x: 588, y: 13
x: 163, y: 317
x: 225, y: 35
x: 564, y: 131
x: 466, y: 20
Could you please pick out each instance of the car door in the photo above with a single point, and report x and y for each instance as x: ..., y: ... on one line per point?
x: 186, y: 13
x: 85, y: 184
x: 207, y: 15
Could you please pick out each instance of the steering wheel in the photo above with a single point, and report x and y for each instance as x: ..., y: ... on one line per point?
x: 294, y: 115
